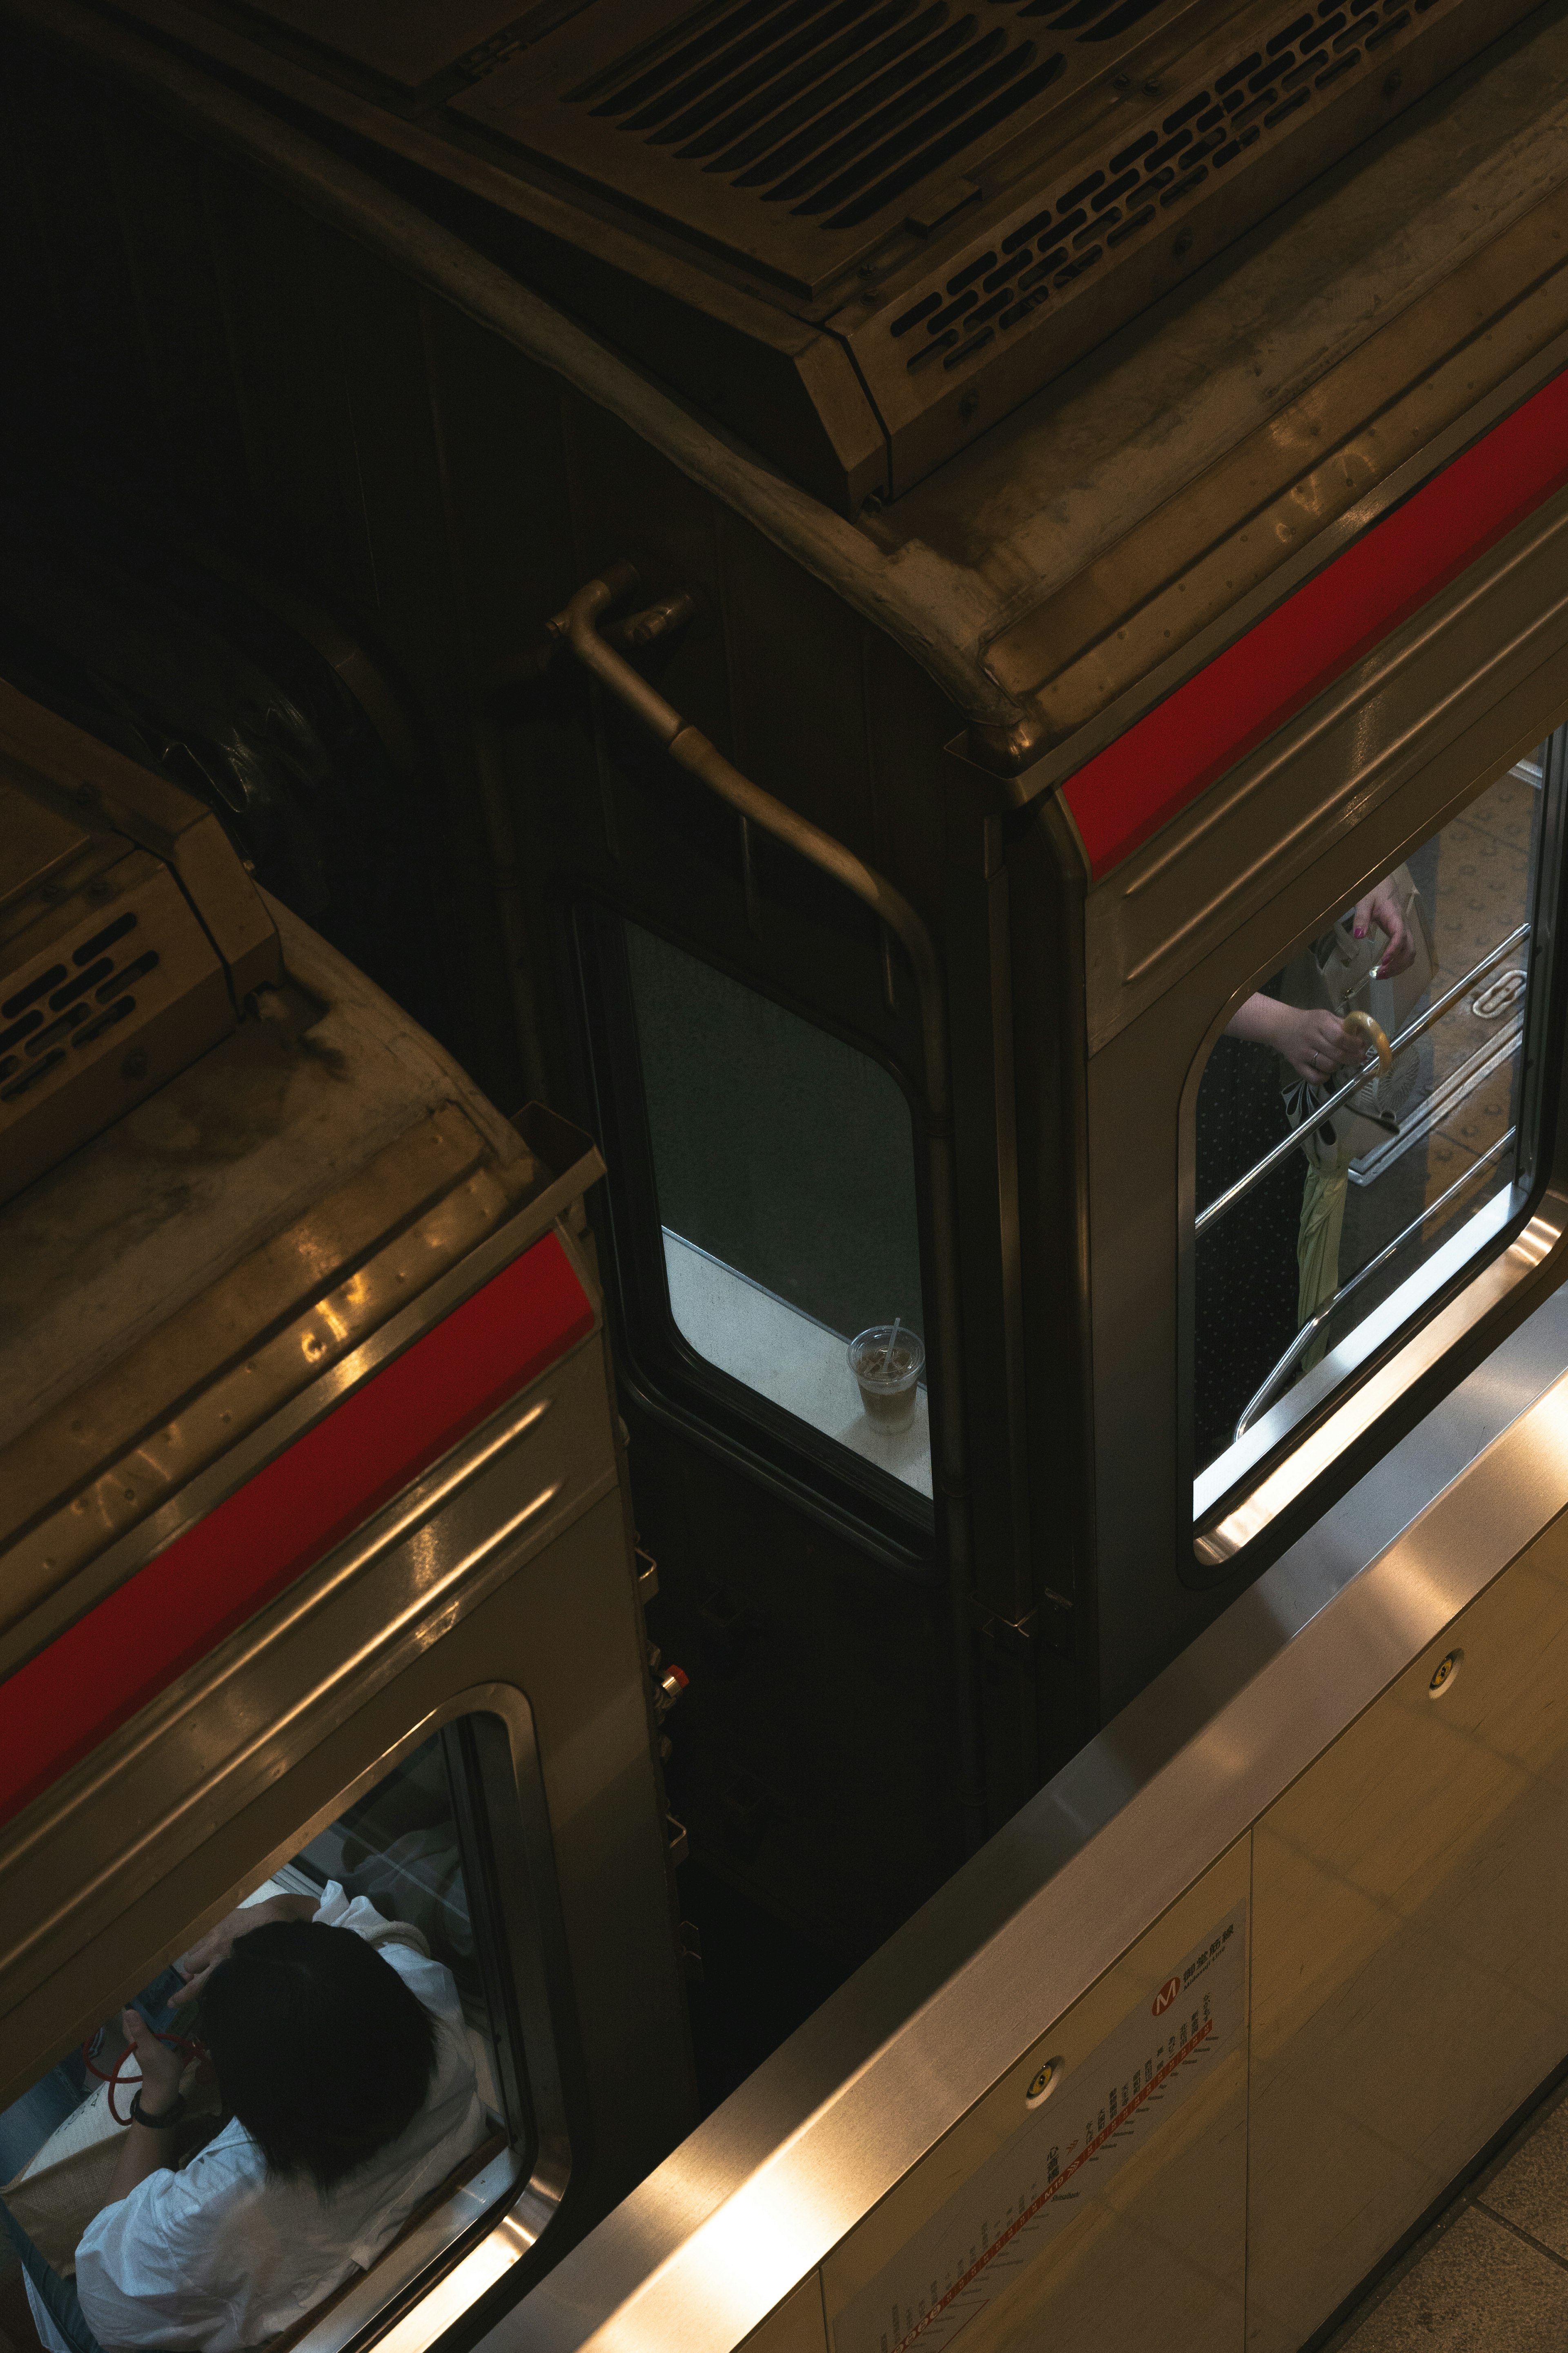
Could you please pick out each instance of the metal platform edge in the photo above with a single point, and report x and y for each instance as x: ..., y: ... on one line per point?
x: 739, y: 2215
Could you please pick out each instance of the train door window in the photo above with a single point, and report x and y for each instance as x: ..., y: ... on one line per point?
x: 783, y: 1166
x: 410, y: 1866
x: 1365, y: 1133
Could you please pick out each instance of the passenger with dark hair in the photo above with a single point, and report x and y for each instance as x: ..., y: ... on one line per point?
x: 349, y: 2092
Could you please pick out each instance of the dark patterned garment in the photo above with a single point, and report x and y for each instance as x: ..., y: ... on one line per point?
x: 1246, y: 1280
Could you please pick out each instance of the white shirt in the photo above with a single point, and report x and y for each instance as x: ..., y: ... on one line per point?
x: 219, y: 2257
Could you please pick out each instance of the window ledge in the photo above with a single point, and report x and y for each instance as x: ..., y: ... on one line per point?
x: 787, y: 1358
x: 1247, y: 1513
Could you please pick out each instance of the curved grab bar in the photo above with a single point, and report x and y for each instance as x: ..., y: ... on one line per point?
x: 691, y: 750
x: 577, y: 626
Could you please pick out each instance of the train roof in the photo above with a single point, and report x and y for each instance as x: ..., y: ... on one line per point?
x: 174, y: 1279
x: 1191, y: 456
x: 1116, y: 528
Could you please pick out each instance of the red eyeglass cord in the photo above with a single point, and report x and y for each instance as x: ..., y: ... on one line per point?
x: 187, y: 2049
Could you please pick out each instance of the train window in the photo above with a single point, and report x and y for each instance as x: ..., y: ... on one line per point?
x: 407, y: 1866
x: 783, y: 1164
x: 1365, y: 1135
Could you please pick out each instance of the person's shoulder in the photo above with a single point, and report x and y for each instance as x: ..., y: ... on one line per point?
x: 230, y: 2172
x: 431, y: 1982
x: 156, y: 2230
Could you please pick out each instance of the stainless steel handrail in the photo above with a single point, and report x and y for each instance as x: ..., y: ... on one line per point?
x: 1255, y: 1404
x: 1282, y: 1151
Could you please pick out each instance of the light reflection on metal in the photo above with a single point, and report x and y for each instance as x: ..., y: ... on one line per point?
x: 1538, y: 1239
x: 238, y: 1401
x: 1445, y: 1099
x: 1253, y: 1511
x: 463, y: 2285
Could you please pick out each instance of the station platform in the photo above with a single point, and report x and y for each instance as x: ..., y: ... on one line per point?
x: 1490, y: 2275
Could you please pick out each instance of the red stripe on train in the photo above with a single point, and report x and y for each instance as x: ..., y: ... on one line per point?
x: 1143, y: 779
x: 246, y: 1549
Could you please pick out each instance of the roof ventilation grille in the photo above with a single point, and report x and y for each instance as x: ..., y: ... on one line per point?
x: 1136, y: 187
x: 834, y: 107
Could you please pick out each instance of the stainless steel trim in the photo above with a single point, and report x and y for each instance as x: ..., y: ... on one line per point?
x: 1214, y: 1483
x: 719, y: 2235
x: 1315, y: 1323
x: 1244, y: 1515
x: 266, y: 1632
x: 1407, y: 1037
x: 435, y: 1595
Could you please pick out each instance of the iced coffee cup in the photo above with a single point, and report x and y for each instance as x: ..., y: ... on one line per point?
x: 886, y: 1361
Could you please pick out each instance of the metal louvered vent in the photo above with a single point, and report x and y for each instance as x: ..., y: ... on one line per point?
x: 1130, y: 194
x: 112, y: 975
x: 967, y: 194
x: 71, y: 1005
x: 794, y: 135
x: 836, y: 108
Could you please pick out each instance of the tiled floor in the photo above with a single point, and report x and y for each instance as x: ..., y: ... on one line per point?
x: 1492, y: 2276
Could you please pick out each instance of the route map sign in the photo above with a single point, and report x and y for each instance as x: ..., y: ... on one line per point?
x: 1065, y: 2150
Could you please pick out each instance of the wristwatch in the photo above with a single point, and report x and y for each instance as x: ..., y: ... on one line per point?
x: 170, y: 2116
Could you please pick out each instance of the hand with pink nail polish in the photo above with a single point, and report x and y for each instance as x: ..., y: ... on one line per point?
x: 1380, y: 908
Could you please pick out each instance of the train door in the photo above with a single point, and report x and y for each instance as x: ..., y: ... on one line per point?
x: 751, y: 1050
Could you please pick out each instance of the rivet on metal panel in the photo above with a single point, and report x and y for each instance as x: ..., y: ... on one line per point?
x: 1443, y: 1673
x: 1044, y: 2083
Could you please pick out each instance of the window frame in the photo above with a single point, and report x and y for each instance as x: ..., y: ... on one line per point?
x: 516, y: 2196
x: 1401, y: 1357
x: 670, y: 1379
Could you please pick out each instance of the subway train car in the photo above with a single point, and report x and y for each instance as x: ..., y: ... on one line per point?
x: 316, y: 1564
x: 949, y: 633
